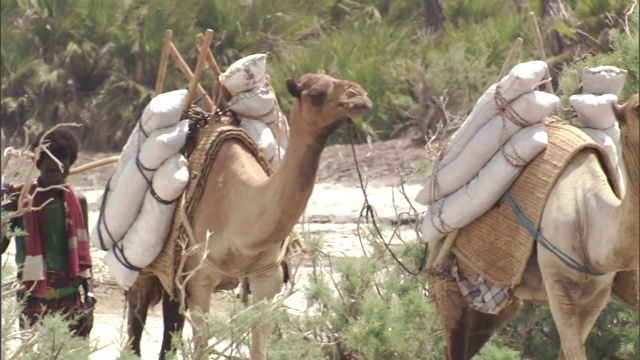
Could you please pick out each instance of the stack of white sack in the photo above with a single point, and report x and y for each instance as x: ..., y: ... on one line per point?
x: 494, y: 179
x: 486, y: 154
x: 255, y: 103
x: 159, y: 135
x: 483, y: 127
x: 601, y: 87
x: 145, y: 238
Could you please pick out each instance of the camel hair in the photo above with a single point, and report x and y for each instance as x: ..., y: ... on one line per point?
x: 247, y: 214
x: 587, y: 221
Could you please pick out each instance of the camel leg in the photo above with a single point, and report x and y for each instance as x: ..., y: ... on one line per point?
x: 563, y: 290
x: 199, y: 289
x: 590, y: 310
x: 173, y: 323
x: 482, y: 326
x: 263, y: 287
x: 144, y: 292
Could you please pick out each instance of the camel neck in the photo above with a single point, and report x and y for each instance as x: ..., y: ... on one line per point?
x: 620, y: 252
x: 290, y: 187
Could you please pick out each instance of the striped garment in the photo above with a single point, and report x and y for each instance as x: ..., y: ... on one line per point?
x: 34, y: 272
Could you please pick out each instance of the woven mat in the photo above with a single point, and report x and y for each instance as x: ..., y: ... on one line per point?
x: 497, y: 245
x: 208, y: 141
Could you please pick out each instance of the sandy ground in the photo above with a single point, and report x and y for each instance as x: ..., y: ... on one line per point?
x: 332, y: 213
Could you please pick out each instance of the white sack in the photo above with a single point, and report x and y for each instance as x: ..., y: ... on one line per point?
x: 603, y: 80
x: 474, y: 199
x: 244, y: 74
x: 162, y: 111
x: 258, y: 102
x: 523, y: 78
x: 145, y: 239
x: 166, y: 110
x: 444, y: 180
x: 594, y: 111
x: 121, y: 207
x: 162, y: 143
x: 262, y: 136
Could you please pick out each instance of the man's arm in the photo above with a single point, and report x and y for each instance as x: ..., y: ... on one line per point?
x: 87, y: 275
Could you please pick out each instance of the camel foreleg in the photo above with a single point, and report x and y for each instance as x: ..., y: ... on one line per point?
x: 264, y: 287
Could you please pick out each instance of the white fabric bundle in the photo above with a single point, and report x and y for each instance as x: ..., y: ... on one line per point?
x: 263, y: 137
x: 531, y: 107
x: 146, y: 236
x: 162, y: 111
x: 594, y: 107
x: 162, y: 144
x: 125, y: 199
x: 594, y: 111
x: 475, y: 198
x: 603, y: 80
x: 521, y: 79
x: 244, y: 74
x: 255, y: 103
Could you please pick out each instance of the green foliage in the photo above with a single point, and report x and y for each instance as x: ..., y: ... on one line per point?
x: 626, y: 55
x: 96, y: 62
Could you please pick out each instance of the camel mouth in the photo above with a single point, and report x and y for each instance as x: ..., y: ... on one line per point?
x: 356, y: 108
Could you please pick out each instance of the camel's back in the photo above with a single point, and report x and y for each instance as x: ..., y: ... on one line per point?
x: 497, y: 245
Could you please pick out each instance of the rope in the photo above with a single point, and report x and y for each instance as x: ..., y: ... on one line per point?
x: 368, y: 210
x: 537, y: 236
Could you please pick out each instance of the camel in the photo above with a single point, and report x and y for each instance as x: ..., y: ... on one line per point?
x: 247, y: 214
x: 586, y: 220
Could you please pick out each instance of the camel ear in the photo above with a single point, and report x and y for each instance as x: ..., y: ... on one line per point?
x: 292, y: 87
x: 618, y: 111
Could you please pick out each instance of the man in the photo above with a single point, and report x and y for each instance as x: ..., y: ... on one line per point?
x: 52, y: 245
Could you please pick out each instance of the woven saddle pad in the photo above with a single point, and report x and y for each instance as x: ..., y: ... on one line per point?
x: 497, y: 245
x: 208, y: 141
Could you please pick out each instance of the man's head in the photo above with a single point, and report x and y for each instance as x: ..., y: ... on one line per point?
x: 63, y: 145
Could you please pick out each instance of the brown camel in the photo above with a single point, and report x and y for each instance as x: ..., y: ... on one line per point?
x: 587, y: 221
x: 247, y: 214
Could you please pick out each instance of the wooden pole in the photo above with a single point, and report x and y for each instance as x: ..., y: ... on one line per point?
x: 213, y: 64
x: 195, y: 82
x: 94, y: 164
x: 164, y: 60
x: 182, y: 65
x: 512, y: 54
x: 540, y: 48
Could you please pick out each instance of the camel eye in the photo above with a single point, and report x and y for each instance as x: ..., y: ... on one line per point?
x: 317, y: 96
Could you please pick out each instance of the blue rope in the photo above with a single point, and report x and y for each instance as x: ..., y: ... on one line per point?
x: 537, y: 236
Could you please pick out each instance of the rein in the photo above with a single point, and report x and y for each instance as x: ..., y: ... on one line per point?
x: 368, y: 211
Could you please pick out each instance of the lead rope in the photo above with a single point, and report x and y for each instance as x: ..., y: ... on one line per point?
x: 540, y: 239
x: 368, y: 211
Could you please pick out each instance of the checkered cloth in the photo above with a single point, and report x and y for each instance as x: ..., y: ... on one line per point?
x: 479, y: 293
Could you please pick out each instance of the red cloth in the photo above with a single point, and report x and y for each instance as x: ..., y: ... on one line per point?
x: 79, y: 255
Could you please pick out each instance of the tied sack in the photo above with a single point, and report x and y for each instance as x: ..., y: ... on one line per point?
x: 162, y: 111
x: 523, y: 78
x: 124, y: 201
x: 474, y: 199
x: 529, y: 108
x: 145, y: 238
x: 244, y: 74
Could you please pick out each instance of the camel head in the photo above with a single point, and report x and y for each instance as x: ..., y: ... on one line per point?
x: 324, y: 104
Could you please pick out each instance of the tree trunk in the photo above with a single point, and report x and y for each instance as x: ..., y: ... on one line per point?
x: 435, y: 16
x: 554, y: 9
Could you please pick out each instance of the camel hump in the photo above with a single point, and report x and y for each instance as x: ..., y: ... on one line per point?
x: 497, y: 245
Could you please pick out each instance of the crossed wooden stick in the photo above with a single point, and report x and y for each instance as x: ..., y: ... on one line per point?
x: 169, y: 50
